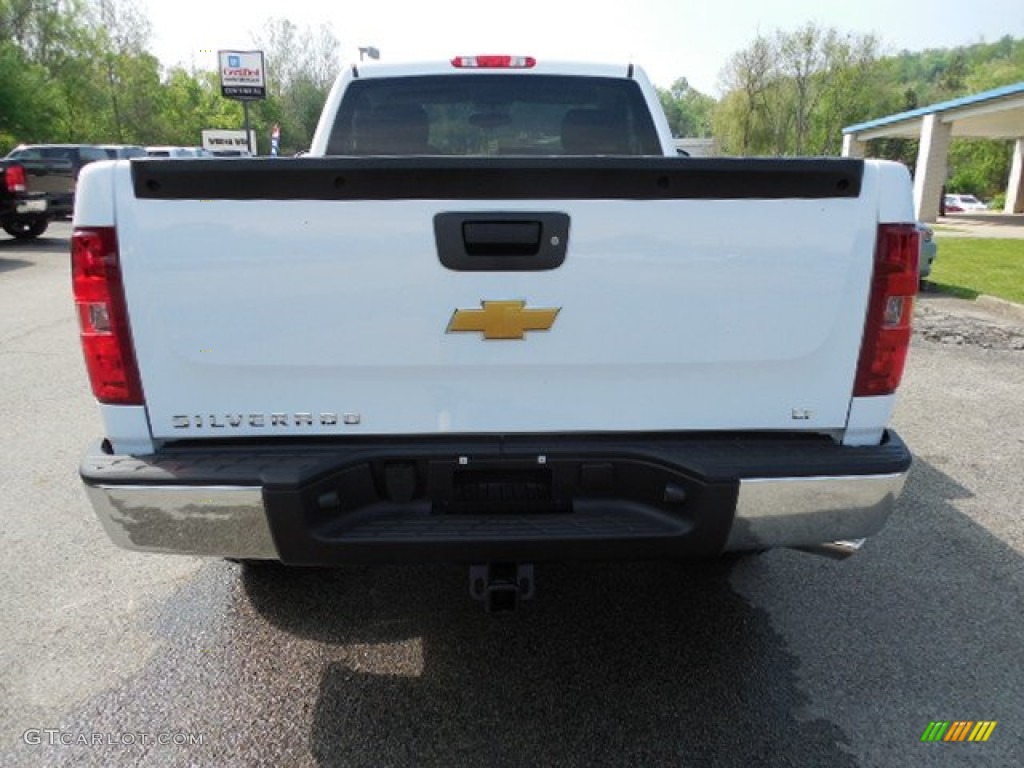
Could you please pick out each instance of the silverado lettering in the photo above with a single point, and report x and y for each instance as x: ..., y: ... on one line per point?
x: 183, y: 421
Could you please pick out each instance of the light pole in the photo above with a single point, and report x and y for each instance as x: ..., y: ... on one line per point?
x: 370, y: 51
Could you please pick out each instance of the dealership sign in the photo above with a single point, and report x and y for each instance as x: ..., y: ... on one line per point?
x: 243, y: 75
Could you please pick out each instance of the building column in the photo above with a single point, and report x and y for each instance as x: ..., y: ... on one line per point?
x: 1015, y: 188
x: 930, y: 173
x: 853, y: 147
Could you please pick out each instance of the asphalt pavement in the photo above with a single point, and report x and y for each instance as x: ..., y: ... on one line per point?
x: 784, y: 660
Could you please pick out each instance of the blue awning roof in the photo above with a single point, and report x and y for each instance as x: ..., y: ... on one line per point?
x: 942, y: 106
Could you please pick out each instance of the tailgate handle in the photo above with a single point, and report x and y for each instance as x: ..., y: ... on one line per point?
x: 501, y: 241
x: 501, y: 238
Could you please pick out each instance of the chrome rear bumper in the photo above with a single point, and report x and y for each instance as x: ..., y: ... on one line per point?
x: 221, y: 521
x: 810, y: 513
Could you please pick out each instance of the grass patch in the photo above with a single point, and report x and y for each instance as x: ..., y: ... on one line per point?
x: 969, y: 266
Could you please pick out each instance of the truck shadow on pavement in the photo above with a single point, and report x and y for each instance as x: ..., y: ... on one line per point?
x: 612, y: 664
x: 43, y: 244
x: 9, y: 265
x: 48, y: 245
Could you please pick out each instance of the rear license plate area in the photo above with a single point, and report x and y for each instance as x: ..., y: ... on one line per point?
x: 498, y: 491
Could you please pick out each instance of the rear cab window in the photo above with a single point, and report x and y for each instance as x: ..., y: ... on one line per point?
x: 55, y: 158
x: 58, y: 153
x: 93, y: 154
x: 483, y: 115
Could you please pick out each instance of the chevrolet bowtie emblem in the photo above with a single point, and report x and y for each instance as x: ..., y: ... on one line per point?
x: 502, y: 319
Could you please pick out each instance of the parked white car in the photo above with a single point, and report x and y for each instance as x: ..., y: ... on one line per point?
x: 176, y: 152
x: 964, y: 204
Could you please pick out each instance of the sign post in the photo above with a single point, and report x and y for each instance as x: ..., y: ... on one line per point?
x: 243, y: 77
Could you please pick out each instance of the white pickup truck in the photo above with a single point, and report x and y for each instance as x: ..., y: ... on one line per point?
x: 493, y: 318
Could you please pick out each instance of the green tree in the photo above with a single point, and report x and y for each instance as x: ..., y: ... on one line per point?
x: 792, y: 92
x: 28, y: 101
x: 979, y: 166
x: 131, y: 76
x: 191, y: 102
x: 741, y: 122
x: 847, y: 90
x: 687, y: 109
x: 302, y: 63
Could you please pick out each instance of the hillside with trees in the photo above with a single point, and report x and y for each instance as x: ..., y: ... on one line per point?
x: 792, y: 92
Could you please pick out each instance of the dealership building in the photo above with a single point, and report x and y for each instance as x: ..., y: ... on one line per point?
x: 995, y: 114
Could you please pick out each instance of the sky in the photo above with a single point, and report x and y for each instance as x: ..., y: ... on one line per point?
x: 668, y: 39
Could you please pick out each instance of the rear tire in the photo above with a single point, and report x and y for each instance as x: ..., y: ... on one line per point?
x: 26, y: 229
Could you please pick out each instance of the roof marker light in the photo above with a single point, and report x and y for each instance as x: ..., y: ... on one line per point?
x: 494, y: 62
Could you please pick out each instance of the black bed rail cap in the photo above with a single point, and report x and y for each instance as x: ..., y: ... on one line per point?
x: 504, y: 178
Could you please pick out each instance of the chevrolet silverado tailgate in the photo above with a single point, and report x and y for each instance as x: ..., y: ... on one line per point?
x: 424, y: 295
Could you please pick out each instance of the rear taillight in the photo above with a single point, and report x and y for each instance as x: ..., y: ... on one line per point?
x: 883, y: 352
x: 103, y: 316
x: 14, y: 178
x: 494, y: 62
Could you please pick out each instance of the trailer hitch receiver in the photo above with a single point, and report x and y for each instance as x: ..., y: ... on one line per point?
x: 501, y: 585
